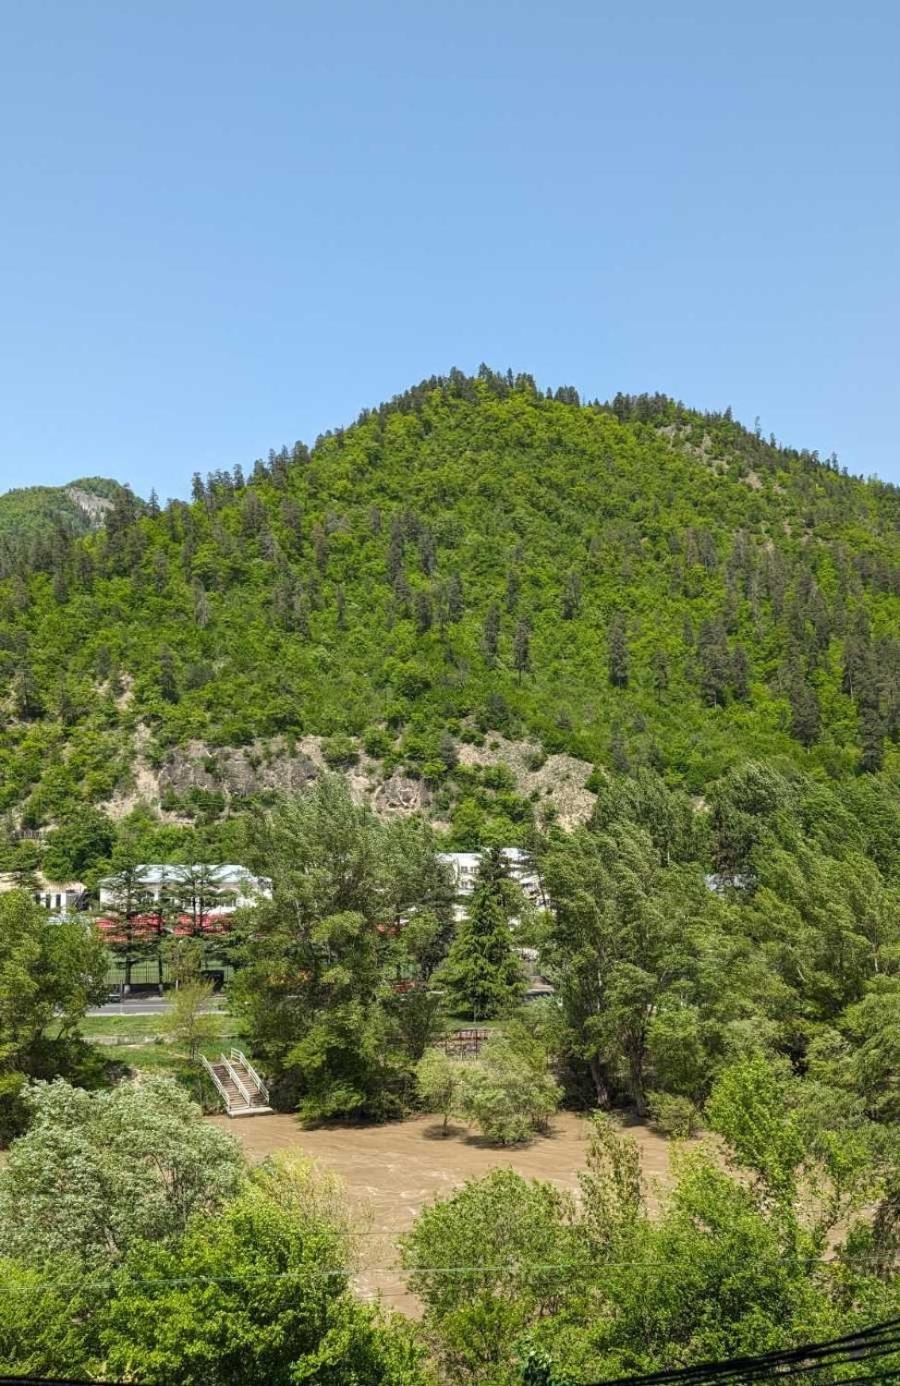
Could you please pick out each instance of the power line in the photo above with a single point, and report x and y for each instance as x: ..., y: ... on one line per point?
x: 862, y: 1347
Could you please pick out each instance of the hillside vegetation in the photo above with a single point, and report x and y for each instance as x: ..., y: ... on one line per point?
x: 631, y: 584
x: 35, y: 520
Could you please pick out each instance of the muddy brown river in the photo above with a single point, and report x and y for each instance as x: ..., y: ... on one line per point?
x: 392, y: 1171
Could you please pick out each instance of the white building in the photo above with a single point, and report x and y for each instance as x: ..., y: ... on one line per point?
x: 219, y: 889
x: 60, y: 897
x: 520, y: 864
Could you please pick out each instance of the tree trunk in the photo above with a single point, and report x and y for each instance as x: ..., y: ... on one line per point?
x: 636, y: 1067
x: 600, y: 1085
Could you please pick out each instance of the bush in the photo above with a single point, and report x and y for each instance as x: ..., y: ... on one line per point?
x: 508, y: 1094
x: 377, y: 742
x: 340, y: 750
x: 673, y: 1115
x: 439, y: 1080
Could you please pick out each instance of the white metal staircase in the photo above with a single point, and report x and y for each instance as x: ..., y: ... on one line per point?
x: 238, y: 1084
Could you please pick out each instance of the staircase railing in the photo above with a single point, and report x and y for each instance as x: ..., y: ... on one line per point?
x: 219, y: 1085
x: 233, y: 1075
x: 241, y: 1058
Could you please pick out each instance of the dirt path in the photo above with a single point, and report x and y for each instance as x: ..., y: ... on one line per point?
x: 392, y: 1171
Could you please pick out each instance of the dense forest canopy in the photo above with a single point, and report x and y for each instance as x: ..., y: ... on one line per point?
x: 633, y: 582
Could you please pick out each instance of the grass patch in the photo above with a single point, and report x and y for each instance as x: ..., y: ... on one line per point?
x: 125, y: 1028
x: 157, y: 1058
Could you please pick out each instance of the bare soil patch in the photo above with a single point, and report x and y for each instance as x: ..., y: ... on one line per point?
x: 392, y: 1171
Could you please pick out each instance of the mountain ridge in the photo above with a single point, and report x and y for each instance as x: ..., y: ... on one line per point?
x: 32, y: 517
x: 630, y: 584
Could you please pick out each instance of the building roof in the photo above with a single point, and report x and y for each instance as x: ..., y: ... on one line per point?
x: 158, y: 873
x: 9, y: 880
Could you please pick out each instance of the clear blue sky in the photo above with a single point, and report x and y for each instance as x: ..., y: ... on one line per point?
x: 226, y: 226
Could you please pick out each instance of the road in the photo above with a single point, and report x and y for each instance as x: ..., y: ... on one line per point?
x: 149, y: 1004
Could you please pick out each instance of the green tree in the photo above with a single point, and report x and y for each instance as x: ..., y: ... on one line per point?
x: 522, y: 649
x: 258, y: 1294
x: 491, y: 1260
x: 189, y: 1022
x: 508, y: 1092
x: 96, y: 1172
x: 317, y: 985
x: 132, y: 909
x: 197, y: 890
x: 617, y: 657
x: 79, y: 845
x: 49, y: 975
x: 481, y: 968
x: 490, y: 638
x: 439, y: 1080
x: 623, y: 938
x: 46, y: 1327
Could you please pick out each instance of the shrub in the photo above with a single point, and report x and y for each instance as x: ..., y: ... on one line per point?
x: 340, y: 750
x: 508, y: 1094
x: 439, y: 1080
x: 377, y: 742
x: 673, y: 1115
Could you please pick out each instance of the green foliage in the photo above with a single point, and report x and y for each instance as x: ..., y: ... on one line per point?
x: 45, y: 1318
x: 97, y: 1172
x: 663, y: 587
x: 256, y: 1295
x: 77, y: 847
x: 481, y: 970
x: 667, y: 971
x: 489, y: 1261
x: 49, y: 975
x: 673, y: 1115
x: 439, y: 1081
x: 549, y: 1291
x: 335, y: 1001
x: 188, y: 1022
x: 254, y: 1289
x: 35, y: 518
x: 508, y: 1091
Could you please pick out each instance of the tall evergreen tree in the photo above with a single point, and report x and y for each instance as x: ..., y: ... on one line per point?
x: 618, y: 652
x: 482, y: 970
x: 522, y: 649
x: 806, y: 718
x: 490, y: 640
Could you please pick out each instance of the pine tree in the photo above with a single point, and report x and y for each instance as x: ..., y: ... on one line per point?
x: 740, y: 673
x: 491, y: 636
x: 455, y: 601
x: 167, y: 683
x: 618, y: 751
x: 659, y: 670
x: 806, y: 718
x: 715, y: 663
x: 424, y: 612
x: 871, y: 730
x: 618, y: 652
x: 571, y: 602
x: 522, y: 649
x: 134, y: 932
x: 482, y: 970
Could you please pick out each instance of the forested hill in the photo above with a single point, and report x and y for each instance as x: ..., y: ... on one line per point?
x: 35, y: 519
x: 631, y: 583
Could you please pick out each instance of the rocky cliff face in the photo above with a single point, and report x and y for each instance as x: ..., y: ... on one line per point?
x: 94, y: 507
x: 269, y: 768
